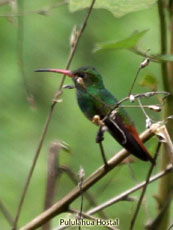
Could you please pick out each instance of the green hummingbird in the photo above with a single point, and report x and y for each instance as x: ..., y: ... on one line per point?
x: 96, y: 101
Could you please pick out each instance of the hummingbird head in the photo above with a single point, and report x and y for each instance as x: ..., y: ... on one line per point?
x: 89, y: 76
x: 84, y: 77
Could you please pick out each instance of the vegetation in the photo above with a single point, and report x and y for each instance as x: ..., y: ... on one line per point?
x: 115, y: 39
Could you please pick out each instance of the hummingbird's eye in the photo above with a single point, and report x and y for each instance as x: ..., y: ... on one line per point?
x: 82, y: 75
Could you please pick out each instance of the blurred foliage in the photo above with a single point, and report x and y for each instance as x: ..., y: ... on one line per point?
x: 118, y: 8
x: 46, y: 45
x: 127, y: 43
x: 149, y: 81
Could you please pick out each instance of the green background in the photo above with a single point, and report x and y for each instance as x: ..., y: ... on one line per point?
x: 46, y: 45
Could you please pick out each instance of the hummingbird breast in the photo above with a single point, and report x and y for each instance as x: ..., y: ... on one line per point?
x: 94, y: 103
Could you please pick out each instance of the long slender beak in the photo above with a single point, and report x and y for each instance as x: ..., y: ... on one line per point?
x: 62, y: 71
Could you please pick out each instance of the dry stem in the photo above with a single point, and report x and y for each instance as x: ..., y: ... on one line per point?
x: 125, y: 194
x: 144, y: 188
x: 54, y: 102
x: 6, y: 213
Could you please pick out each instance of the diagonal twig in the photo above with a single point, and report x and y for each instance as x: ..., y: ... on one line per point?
x: 145, y: 187
x: 125, y: 194
x: 142, y: 65
x: 54, y: 102
x: 6, y: 213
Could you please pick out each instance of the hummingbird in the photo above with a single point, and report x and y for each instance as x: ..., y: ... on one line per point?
x: 97, y: 103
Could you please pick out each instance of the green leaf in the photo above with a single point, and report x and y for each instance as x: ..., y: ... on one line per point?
x: 127, y: 43
x: 149, y: 81
x: 117, y: 7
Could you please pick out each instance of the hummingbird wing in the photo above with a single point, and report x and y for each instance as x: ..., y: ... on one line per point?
x: 128, y: 137
x: 122, y: 128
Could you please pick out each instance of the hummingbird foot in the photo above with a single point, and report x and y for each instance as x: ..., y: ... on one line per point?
x: 103, y: 154
x: 97, y: 120
x: 100, y: 134
x: 99, y: 139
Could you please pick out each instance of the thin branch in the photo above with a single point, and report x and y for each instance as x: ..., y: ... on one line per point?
x: 138, y: 95
x: 142, y: 65
x: 125, y: 194
x: 113, y: 107
x: 137, y: 106
x: 134, y: 178
x: 52, y: 176
x: 142, y: 108
x: 131, y: 87
x: 153, y: 58
x: 87, y: 194
x: 32, y: 168
x: 73, y: 50
x: 64, y: 203
x: 54, y: 102
x: 6, y: 213
x: 144, y: 188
